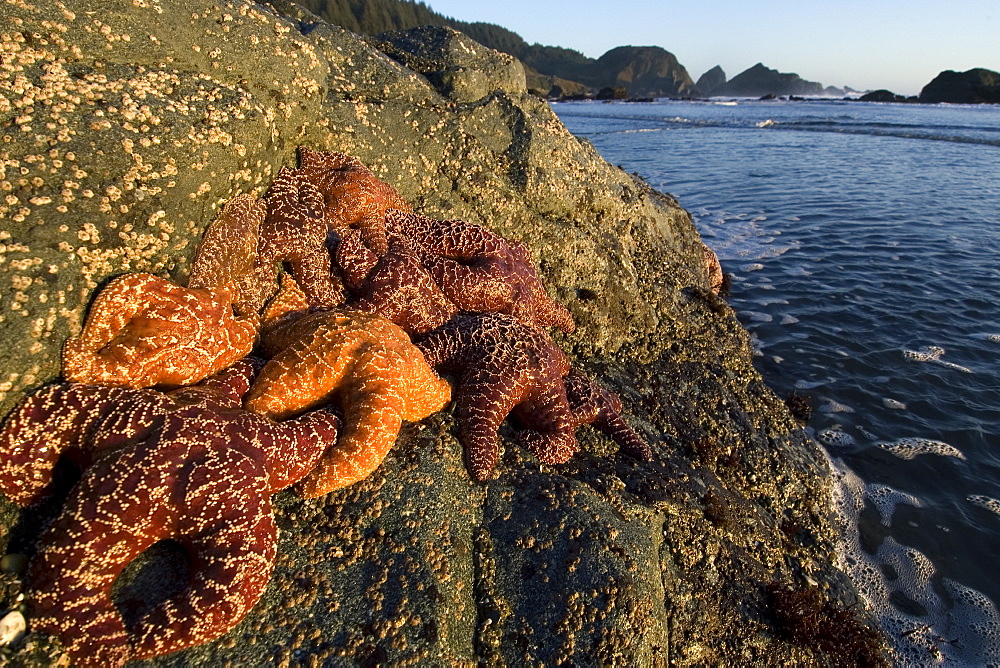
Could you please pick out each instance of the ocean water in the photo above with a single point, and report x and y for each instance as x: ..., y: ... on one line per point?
x: 864, y: 244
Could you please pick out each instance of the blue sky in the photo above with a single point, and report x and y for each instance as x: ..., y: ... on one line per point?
x: 866, y: 44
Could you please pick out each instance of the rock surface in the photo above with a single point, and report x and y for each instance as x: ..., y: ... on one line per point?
x: 710, y: 80
x: 975, y: 86
x: 125, y: 125
x: 644, y: 71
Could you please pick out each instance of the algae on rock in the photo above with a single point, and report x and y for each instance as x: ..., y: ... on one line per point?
x: 124, y: 128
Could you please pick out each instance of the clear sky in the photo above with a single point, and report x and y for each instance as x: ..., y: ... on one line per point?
x: 866, y: 44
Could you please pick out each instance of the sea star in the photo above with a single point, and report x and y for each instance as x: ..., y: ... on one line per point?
x: 189, y: 465
x: 143, y: 331
x: 228, y: 256
x: 713, y: 268
x: 504, y: 367
x: 363, y: 363
x: 395, y: 286
x: 593, y: 404
x: 353, y: 197
x: 295, y: 231
x: 479, y: 270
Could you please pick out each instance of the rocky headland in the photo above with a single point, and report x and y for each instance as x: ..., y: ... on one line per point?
x: 125, y: 126
x: 975, y: 86
x: 760, y: 81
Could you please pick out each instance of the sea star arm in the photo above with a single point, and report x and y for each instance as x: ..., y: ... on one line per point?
x: 483, y: 399
x: 229, y: 255
x: 371, y: 424
x: 400, y: 289
x: 303, y: 374
x: 50, y: 422
x: 295, y: 232
x: 231, y: 558
x: 144, y: 331
x: 593, y: 404
x: 294, y: 447
x: 456, y: 239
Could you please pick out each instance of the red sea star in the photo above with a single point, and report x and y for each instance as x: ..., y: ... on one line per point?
x: 143, y: 331
x: 228, y: 256
x: 396, y: 286
x: 479, y: 270
x: 354, y: 198
x: 295, y: 232
x: 504, y: 366
x: 188, y: 465
x: 363, y: 363
x: 593, y: 404
x: 713, y: 268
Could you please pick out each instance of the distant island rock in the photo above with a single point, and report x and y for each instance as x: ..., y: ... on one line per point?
x: 710, y: 80
x: 883, y: 95
x: 644, y: 71
x: 975, y: 86
x: 760, y: 81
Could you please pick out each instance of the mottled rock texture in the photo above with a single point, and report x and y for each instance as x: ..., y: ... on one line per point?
x: 124, y: 128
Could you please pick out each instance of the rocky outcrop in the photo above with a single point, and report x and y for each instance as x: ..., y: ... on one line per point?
x: 644, y: 71
x: 976, y: 86
x: 710, y: 80
x: 882, y: 95
x: 459, y: 68
x: 759, y: 81
x: 126, y: 126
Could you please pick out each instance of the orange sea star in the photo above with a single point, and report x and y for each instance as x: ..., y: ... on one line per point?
x: 143, y: 331
x: 362, y: 363
x: 354, y: 197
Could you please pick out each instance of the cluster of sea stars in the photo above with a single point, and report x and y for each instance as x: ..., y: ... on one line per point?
x: 180, y: 435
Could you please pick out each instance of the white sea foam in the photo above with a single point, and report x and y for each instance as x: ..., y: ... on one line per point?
x: 757, y: 316
x: 933, y: 354
x: 960, y: 629
x: 909, y: 448
x: 987, y: 502
x: 887, y: 498
x: 984, y: 336
x: 831, y: 406
x: 893, y: 404
x: 835, y: 438
x: 788, y: 320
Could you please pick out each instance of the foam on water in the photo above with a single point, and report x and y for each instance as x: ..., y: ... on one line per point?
x: 933, y: 354
x: 893, y: 404
x: 835, y: 438
x: 887, y: 498
x: 901, y: 586
x: 831, y: 406
x: 911, y: 447
x: 987, y: 502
